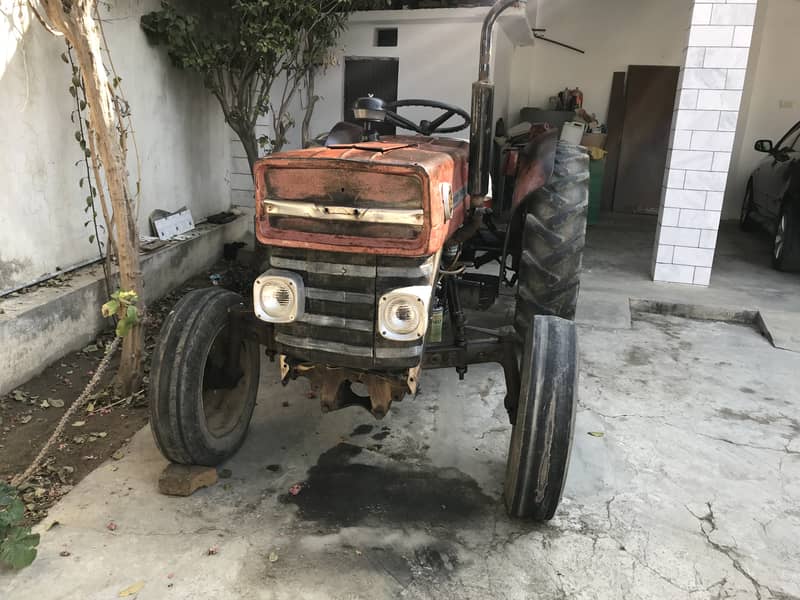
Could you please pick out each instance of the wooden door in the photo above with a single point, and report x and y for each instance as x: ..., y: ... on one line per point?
x: 649, y: 103
x: 365, y: 76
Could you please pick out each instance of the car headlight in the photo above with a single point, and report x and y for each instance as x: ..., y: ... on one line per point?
x: 403, y: 313
x: 279, y: 296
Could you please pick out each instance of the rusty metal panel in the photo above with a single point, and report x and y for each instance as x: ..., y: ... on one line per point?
x: 396, y: 172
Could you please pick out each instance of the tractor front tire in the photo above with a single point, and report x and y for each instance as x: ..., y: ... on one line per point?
x: 553, y: 240
x: 541, y: 439
x: 196, y: 416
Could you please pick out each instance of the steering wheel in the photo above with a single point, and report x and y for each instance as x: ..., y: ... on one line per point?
x: 427, y: 127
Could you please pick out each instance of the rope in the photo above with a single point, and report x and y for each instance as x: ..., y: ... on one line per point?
x: 87, y: 391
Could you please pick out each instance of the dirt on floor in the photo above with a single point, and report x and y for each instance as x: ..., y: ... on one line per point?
x: 30, y: 413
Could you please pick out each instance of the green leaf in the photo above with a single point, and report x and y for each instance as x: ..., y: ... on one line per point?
x: 91, y: 239
x: 123, y: 327
x: 110, y: 308
x: 18, y: 549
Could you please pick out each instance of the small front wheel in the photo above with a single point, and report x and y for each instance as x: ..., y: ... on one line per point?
x: 541, y: 440
x: 203, y: 383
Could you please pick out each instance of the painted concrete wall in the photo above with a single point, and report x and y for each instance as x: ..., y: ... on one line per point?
x: 181, y: 134
x: 438, y: 59
x: 771, y: 103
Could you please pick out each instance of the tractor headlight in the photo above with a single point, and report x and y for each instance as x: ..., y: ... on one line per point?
x: 403, y: 313
x: 279, y: 296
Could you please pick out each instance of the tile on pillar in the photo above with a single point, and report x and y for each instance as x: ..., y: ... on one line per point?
x: 702, y: 276
x: 673, y: 273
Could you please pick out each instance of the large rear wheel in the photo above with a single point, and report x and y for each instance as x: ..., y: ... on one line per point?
x: 541, y: 439
x: 553, y: 240
x: 201, y: 396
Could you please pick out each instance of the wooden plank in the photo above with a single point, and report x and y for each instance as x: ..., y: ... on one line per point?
x: 616, y: 119
x: 649, y: 104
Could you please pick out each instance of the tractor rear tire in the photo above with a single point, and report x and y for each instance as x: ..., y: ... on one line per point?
x: 541, y: 439
x: 195, y: 418
x: 553, y: 240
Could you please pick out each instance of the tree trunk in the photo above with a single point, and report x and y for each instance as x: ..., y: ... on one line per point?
x: 311, y: 100
x: 250, y: 144
x: 81, y: 30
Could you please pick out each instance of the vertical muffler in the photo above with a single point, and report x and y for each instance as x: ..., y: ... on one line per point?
x: 480, y: 139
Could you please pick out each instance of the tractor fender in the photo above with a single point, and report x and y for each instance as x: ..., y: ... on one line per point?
x: 535, y: 163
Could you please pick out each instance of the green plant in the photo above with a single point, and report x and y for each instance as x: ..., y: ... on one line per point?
x: 122, y: 306
x: 242, y: 48
x: 17, y: 543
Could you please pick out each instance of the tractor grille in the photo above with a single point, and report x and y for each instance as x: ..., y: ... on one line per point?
x: 338, y: 327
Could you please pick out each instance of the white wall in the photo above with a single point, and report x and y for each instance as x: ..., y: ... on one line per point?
x: 180, y: 130
x: 772, y: 78
x: 613, y: 33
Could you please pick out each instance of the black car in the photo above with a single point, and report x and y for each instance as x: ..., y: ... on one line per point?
x: 772, y: 201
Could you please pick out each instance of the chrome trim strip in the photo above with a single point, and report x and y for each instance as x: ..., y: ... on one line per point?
x: 398, y: 352
x: 339, y: 296
x: 322, y: 346
x: 312, y: 210
x: 424, y: 270
x: 323, y: 268
x: 340, y: 322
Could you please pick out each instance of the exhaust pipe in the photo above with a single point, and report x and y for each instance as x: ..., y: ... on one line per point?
x: 480, y: 145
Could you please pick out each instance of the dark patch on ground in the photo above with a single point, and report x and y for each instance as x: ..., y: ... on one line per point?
x: 436, y: 561
x: 381, y: 435
x: 637, y: 356
x: 273, y: 468
x: 735, y: 415
x: 340, y: 493
x: 361, y: 430
x: 747, y: 390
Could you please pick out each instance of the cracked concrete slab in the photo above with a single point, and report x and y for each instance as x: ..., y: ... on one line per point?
x: 687, y: 487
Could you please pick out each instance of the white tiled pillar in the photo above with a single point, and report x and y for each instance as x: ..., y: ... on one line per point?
x: 704, y: 125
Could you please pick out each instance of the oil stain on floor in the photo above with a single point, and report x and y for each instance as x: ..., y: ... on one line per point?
x: 339, y: 492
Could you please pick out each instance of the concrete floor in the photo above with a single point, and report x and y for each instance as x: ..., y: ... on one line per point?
x: 617, y: 266
x: 691, y: 491
x: 684, y: 481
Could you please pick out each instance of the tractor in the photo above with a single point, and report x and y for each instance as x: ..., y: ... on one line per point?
x: 372, y: 247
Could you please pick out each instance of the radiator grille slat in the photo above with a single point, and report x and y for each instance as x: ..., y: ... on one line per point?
x: 342, y: 290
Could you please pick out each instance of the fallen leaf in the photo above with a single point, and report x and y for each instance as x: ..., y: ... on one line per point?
x: 295, y: 489
x: 90, y: 407
x: 25, y: 419
x: 596, y: 433
x: 64, y: 553
x: 111, y: 526
x: 131, y: 590
x: 273, y: 557
x: 100, y: 434
x: 212, y: 550
x: 118, y: 455
x: 56, y: 402
x: 45, y: 404
x: 79, y: 423
x: 358, y: 553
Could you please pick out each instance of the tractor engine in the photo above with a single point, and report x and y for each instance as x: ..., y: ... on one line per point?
x: 354, y: 235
